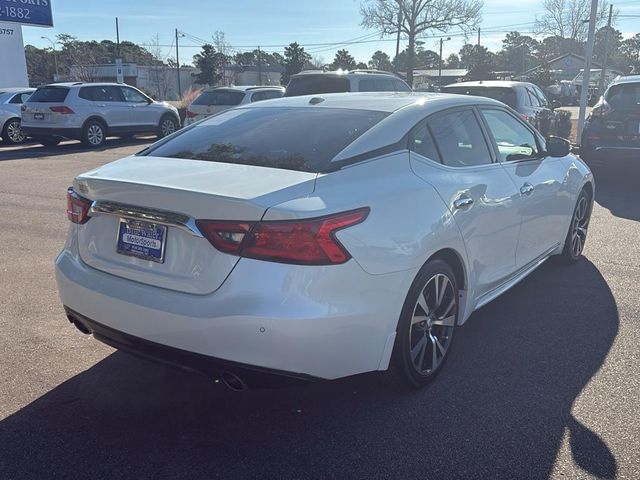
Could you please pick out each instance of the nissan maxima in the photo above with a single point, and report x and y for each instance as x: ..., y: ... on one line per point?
x: 318, y: 237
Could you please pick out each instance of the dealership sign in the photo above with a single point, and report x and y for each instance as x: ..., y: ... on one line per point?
x: 27, y: 12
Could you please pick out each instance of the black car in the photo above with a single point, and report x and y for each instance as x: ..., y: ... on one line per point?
x: 614, y: 124
x: 525, y: 98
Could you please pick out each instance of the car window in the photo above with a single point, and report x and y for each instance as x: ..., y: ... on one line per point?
x: 49, y: 95
x: 257, y: 96
x: 513, y: 139
x: 376, y: 85
x: 400, y: 86
x: 421, y: 141
x: 541, y: 96
x: 506, y: 95
x: 133, y: 96
x: 624, y: 96
x: 106, y: 94
x: 533, y: 99
x: 20, y: 97
x: 301, y: 138
x: 313, y: 84
x: 269, y: 94
x: 459, y: 138
x: 219, y: 97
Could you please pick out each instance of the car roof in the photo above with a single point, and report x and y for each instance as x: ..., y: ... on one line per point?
x: 332, y: 73
x: 86, y: 84
x: 491, y: 83
x: 626, y: 79
x: 16, y: 89
x: 245, y: 88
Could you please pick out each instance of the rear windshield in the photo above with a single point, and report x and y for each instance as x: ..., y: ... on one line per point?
x: 304, y: 139
x: 49, y: 95
x: 625, y: 96
x: 219, y: 98
x: 313, y: 84
x: 505, y: 95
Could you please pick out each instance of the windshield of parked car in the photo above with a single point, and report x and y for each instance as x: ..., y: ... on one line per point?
x: 505, y: 95
x: 304, y: 139
x: 49, y: 95
x: 625, y: 96
x: 314, y: 84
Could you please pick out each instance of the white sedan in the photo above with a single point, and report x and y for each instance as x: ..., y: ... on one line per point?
x: 319, y: 237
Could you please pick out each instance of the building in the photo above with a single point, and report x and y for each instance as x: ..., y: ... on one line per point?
x: 567, y: 67
x: 423, y: 79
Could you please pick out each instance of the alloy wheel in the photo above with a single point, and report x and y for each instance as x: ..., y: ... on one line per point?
x: 580, y: 225
x: 432, y: 324
x: 14, y: 132
x: 168, y: 127
x: 95, y: 134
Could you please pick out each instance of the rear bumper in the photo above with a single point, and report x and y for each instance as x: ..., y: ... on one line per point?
x: 183, y: 359
x: 64, y: 132
x: 299, y: 321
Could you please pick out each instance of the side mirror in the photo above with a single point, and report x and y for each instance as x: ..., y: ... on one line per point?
x: 555, y: 104
x: 558, y: 147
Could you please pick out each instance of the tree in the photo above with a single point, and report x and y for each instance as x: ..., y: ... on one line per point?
x: 541, y: 76
x: 40, y: 64
x: 380, y: 61
x: 211, y: 65
x: 514, y: 47
x: 414, y: 17
x: 361, y: 66
x: 343, y: 60
x: 630, y: 51
x: 611, y: 52
x: 453, y: 61
x: 478, y: 60
x: 565, y: 18
x: 295, y: 59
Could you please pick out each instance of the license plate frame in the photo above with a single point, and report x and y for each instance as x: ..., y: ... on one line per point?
x: 38, y: 116
x: 140, y: 238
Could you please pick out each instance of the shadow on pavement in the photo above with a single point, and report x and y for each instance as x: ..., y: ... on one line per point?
x: 618, y: 187
x: 499, y: 410
x: 35, y: 150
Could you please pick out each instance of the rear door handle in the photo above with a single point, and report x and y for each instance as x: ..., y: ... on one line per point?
x: 462, y: 201
x: 526, y: 189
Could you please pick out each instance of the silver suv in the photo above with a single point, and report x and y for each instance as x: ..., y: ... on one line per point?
x: 216, y: 100
x: 312, y: 82
x: 10, y: 101
x: 92, y: 111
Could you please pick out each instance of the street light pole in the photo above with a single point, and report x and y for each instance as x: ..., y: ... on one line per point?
x: 55, y: 55
x: 584, y: 91
x: 442, y: 40
x: 178, y: 67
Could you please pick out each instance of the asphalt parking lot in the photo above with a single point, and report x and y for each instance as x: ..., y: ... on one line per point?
x: 544, y: 382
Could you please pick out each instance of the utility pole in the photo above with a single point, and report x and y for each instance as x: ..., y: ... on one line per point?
x: 119, y: 72
x: 259, y: 66
x: 442, y: 40
x: 398, y: 36
x: 55, y: 56
x: 117, y: 39
x: 478, y: 36
x: 178, y: 67
x: 584, y: 91
x: 606, y: 49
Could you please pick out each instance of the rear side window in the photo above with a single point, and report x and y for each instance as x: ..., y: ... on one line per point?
x: 624, y: 96
x: 313, y: 84
x: 265, y: 95
x: 421, y: 142
x: 303, y: 139
x: 49, y: 95
x: 20, y: 97
x: 459, y: 138
x: 219, y: 98
x: 376, y: 85
x: 505, y: 95
x: 400, y: 86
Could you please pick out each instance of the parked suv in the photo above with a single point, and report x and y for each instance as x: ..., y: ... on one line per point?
x: 614, y: 123
x: 525, y: 98
x: 10, y: 101
x: 219, y: 99
x: 312, y: 82
x: 92, y: 111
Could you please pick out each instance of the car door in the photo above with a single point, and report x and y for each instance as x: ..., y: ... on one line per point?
x: 450, y: 151
x: 543, y: 200
x: 142, y: 114
x: 106, y: 101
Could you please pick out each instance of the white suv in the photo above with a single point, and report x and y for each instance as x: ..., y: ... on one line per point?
x: 218, y: 99
x: 313, y: 82
x: 92, y: 111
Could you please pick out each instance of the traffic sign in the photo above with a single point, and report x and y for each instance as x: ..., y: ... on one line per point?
x: 27, y: 12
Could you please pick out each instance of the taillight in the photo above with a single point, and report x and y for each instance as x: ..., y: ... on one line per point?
x: 190, y: 114
x: 524, y: 116
x: 77, y: 207
x: 304, y: 242
x: 601, y: 109
x: 61, y: 109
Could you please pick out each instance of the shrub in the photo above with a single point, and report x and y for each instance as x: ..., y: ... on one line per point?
x: 563, y: 123
x: 188, y: 96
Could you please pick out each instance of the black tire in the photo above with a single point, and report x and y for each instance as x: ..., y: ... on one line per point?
x: 94, y: 134
x: 577, y: 234
x: 48, y: 141
x: 410, y: 361
x: 11, y: 133
x: 168, y: 124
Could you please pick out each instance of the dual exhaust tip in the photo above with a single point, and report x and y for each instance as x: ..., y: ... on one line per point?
x: 229, y: 379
